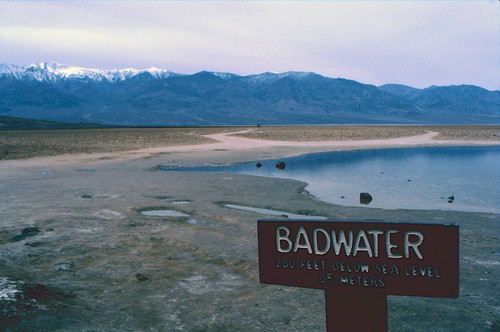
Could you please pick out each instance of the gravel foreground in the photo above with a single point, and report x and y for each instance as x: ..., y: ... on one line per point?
x: 77, y: 254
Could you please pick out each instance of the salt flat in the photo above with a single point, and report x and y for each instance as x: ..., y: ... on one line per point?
x: 97, y: 263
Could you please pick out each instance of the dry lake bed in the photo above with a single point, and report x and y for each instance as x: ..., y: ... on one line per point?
x: 93, y: 237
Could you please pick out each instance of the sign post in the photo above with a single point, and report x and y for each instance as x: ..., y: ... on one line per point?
x: 359, y: 263
x: 355, y: 312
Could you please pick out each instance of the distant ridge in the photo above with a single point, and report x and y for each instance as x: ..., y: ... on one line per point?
x: 158, y: 97
x: 13, y: 123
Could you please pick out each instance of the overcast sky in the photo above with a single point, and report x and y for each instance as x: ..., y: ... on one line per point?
x: 417, y: 43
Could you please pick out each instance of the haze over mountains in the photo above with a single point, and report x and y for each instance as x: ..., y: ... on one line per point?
x: 156, y: 97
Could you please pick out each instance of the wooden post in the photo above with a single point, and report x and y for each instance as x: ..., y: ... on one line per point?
x: 355, y: 312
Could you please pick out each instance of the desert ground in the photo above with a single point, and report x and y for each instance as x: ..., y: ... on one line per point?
x: 78, y: 254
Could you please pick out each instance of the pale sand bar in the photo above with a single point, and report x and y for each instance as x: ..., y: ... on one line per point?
x: 237, y: 143
x: 128, y: 271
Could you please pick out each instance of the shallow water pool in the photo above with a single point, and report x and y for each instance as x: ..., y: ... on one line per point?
x: 407, y: 178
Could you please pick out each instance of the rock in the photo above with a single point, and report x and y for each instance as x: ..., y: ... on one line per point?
x: 86, y: 196
x: 30, y: 231
x: 18, y: 238
x: 258, y: 165
x: 365, y: 198
x: 26, y: 232
x: 141, y: 277
x: 65, y: 266
x: 34, y: 244
x: 280, y: 165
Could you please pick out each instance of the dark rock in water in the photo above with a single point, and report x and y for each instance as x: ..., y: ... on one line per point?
x: 365, y: 198
x: 258, y: 165
x: 141, y: 277
x: 342, y: 197
x: 451, y: 199
x: 86, y: 196
x: 280, y: 165
x: 26, y: 232
x: 18, y: 238
x: 30, y: 231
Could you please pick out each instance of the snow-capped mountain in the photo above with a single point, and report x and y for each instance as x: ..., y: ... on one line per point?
x: 53, y: 71
x: 158, y: 97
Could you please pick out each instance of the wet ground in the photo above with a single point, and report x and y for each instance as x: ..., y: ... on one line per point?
x: 90, y: 260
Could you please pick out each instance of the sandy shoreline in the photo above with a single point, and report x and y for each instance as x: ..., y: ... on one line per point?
x: 234, y: 142
x: 105, y: 266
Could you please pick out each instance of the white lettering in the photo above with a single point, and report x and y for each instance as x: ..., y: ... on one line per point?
x: 375, y: 234
x: 390, y: 245
x: 357, y: 247
x: 414, y: 245
x: 343, y: 242
x: 280, y: 238
x: 306, y: 245
x: 323, y: 251
x: 337, y: 245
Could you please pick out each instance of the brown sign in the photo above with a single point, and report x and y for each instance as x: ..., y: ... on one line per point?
x: 387, y: 258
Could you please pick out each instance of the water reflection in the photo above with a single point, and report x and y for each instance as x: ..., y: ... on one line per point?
x: 414, y: 178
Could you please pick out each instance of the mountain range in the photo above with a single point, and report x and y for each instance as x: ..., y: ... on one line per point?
x: 157, y: 97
